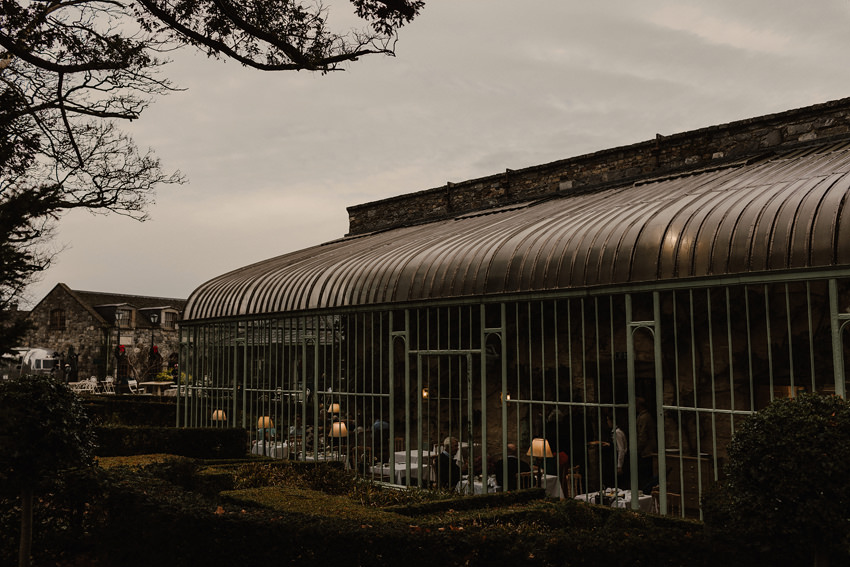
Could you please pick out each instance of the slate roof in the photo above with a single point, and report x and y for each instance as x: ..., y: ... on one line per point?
x: 96, y: 303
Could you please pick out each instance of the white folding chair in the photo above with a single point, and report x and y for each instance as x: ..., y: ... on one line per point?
x: 134, y: 387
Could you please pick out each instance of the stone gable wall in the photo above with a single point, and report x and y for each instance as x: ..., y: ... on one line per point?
x: 88, y: 335
x: 704, y: 148
x: 82, y: 331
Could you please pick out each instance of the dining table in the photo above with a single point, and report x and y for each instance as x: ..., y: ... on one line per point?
x: 427, y: 455
x: 273, y: 449
x: 478, y: 485
x: 399, y: 473
x: 617, y: 498
x: 325, y: 456
x: 552, y: 485
x: 157, y: 387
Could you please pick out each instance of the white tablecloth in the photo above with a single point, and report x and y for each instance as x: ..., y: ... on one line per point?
x: 401, y: 456
x: 478, y: 485
x: 623, y: 500
x: 552, y: 484
x: 312, y: 457
x: 278, y: 450
x: 399, y: 473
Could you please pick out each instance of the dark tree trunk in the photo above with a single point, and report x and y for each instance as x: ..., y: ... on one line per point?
x: 26, y: 528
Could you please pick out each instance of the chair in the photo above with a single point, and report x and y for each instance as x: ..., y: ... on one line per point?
x: 360, y: 459
x: 524, y: 480
x: 109, y: 385
x: 398, y: 444
x: 295, y: 444
x: 134, y: 387
x: 571, y: 481
x: 674, y: 502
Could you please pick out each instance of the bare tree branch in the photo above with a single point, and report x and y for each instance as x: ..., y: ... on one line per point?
x: 72, y: 70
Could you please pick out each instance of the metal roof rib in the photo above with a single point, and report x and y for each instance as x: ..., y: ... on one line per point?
x: 786, y: 211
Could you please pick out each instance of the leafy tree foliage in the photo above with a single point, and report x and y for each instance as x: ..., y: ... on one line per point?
x: 71, y: 70
x: 787, y: 487
x: 43, y: 429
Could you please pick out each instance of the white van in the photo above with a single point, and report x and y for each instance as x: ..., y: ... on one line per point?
x: 39, y: 361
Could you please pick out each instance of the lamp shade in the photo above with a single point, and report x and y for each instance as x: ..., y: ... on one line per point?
x: 338, y: 429
x: 219, y: 415
x: 333, y: 408
x: 539, y: 448
x: 425, y: 393
x: 265, y: 422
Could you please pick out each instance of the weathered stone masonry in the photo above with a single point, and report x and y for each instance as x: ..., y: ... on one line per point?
x: 665, y: 155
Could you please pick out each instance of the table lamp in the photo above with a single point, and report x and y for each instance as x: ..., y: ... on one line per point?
x: 219, y: 415
x: 539, y: 450
x: 263, y: 424
x: 338, y: 431
x: 333, y: 408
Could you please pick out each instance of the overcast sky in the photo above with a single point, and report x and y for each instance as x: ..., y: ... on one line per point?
x: 477, y: 86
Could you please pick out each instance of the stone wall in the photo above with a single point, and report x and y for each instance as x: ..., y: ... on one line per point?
x: 82, y: 332
x: 89, y: 335
x: 698, y: 149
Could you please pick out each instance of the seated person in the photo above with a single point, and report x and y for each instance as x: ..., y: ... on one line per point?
x: 448, y: 471
x: 556, y: 464
x: 515, y: 466
x: 381, y: 440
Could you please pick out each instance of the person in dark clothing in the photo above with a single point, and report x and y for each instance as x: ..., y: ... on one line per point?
x: 448, y: 471
x: 381, y: 440
x: 647, y: 446
x: 515, y: 466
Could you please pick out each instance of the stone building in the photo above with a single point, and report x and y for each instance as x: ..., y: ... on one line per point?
x: 695, y: 276
x: 91, y: 329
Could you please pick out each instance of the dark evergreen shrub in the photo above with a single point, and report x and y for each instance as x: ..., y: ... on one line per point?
x: 786, y: 495
x: 202, y: 443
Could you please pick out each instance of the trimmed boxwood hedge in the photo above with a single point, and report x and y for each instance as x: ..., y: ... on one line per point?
x: 141, y: 515
x: 214, y: 443
x: 131, y: 410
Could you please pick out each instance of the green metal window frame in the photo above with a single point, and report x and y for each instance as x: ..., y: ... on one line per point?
x: 508, y: 369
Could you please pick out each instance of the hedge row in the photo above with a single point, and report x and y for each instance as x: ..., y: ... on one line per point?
x: 215, y: 443
x: 134, y: 516
x: 189, y: 530
x: 131, y: 410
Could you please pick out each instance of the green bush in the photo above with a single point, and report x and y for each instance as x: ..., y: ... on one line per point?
x: 112, y: 515
x: 204, y: 443
x: 131, y: 410
x: 44, y: 429
x: 787, y: 485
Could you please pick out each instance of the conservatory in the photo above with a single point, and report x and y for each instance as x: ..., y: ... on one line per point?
x: 666, y: 289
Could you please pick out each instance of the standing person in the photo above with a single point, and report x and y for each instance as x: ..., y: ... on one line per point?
x: 448, y: 471
x: 618, y: 440
x: 73, y: 361
x: 154, y: 362
x: 647, y: 446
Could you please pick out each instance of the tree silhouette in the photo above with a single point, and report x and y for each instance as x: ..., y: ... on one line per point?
x: 72, y: 70
x: 44, y: 429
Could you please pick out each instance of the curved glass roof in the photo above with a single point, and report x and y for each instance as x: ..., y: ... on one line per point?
x: 786, y: 212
